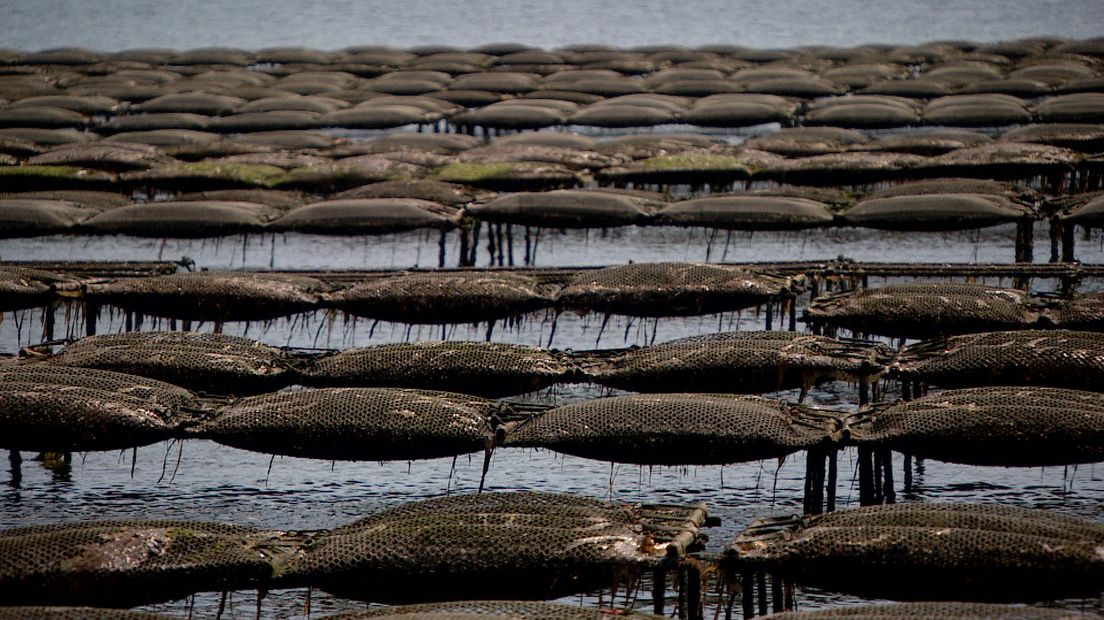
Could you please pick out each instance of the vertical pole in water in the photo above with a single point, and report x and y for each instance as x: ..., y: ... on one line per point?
x: 814, y: 480
x: 48, y: 322
x: 793, y: 312
x: 15, y: 459
x: 888, y: 492
x: 694, y: 594
x: 866, y: 476
x: 91, y: 312
x: 830, y: 500
x: 510, y: 243
x: 441, y: 249
x: 475, y: 243
x: 1055, y: 225
x: 465, y: 240
x: 770, y: 315
x: 778, y: 595
x: 1025, y: 241
x: 761, y: 592
x: 680, y: 579
x: 908, y: 472
x: 876, y: 459
x: 864, y: 390
x: 1067, y: 242
x: 659, y: 590
x: 747, y: 581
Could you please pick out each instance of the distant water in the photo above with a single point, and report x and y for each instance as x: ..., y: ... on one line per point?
x: 250, y: 24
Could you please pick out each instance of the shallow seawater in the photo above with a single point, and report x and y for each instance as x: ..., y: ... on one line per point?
x: 203, y: 480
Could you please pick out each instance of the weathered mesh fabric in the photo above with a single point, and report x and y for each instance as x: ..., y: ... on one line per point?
x: 1083, y: 312
x: 740, y: 362
x: 675, y: 429
x: 182, y: 219
x: 24, y: 217
x: 129, y: 563
x: 747, y: 212
x: 921, y: 552
x: 24, y: 288
x: 491, y: 545
x: 469, y: 610
x: 155, y: 392
x: 565, y: 209
x: 670, y: 289
x: 212, y: 295
x: 949, y: 186
x: 45, y: 418
x: 372, y: 216
x: 936, y: 212
x: 1054, y: 358
x: 1009, y: 426
x: 447, y: 297
x: 933, y: 611
x: 368, y: 424
x: 481, y: 368
x: 74, y: 613
x: 211, y: 363
x: 923, y: 310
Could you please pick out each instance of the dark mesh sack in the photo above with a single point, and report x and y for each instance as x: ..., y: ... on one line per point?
x: 933, y: 611
x: 740, y: 362
x: 472, y: 610
x: 129, y: 563
x: 675, y: 429
x: 923, y: 310
x: 936, y: 212
x: 565, y: 209
x: 481, y: 368
x: 185, y: 219
x: 53, y: 408
x: 1053, y: 358
x: 74, y: 613
x: 371, y: 216
x: 1008, y: 426
x: 212, y: 295
x: 491, y: 545
x: 747, y: 212
x: 1083, y: 312
x: 154, y: 392
x: 364, y: 424
x: 21, y: 217
x: 212, y: 363
x: 924, y: 552
x: 24, y: 288
x: 670, y: 289
x: 951, y: 186
x: 444, y: 297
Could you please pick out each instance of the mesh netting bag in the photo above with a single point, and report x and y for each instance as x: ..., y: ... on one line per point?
x: 923, y: 310
x: 934, y: 611
x: 74, y: 613
x: 368, y: 216
x: 739, y: 362
x: 747, y: 212
x: 54, y: 408
x: 483, y: 368
x: 1009, y: 426
x: 21, y: 287
x: 929, y: 552
x: 211, y: 363
x: 490, y: 545
x: 1054, y: 358
x: 130, y: 563
x: 949, y: 185
x: 936, y: 212
x: 671, y: 289
x: 565, y: 209
x: 444, y: 297
x: 26, y: 217
x: 675, y: 429
x: 183, y: 219
x: 367, y: 424
x: 212, y: 295
x: 1083, y: 312
x: 471, y: 610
